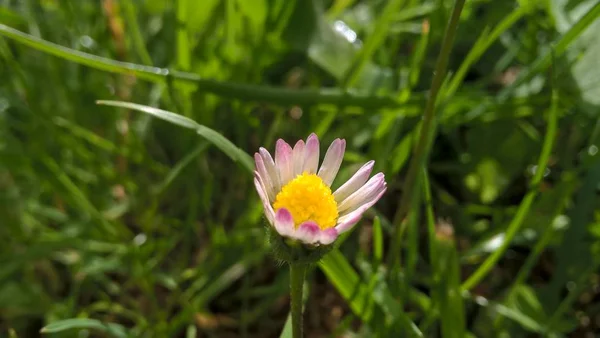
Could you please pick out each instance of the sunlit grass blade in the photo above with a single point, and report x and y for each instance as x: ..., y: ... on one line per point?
x: 239, y: 91
x: 111, y: 329
x: 235, y: 153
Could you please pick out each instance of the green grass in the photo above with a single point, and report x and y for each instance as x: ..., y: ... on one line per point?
x: 127, y: 206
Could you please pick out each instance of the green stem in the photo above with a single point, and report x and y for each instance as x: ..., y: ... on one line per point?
x: 428, y: 129
x: 297, y: 272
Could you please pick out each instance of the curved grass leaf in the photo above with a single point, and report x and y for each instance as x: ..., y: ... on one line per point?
x: 114, y: 330
x: 220, y: 141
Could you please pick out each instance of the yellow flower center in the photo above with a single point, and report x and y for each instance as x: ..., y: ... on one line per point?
x: 308, y: 199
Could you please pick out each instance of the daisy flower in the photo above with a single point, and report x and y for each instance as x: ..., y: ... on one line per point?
x: 296, y: 193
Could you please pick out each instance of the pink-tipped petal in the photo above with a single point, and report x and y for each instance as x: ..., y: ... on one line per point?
x: 328, y: 236
x: 371, y: 189
x: 346, y: 222
x: 271, y: 169
x: 264, y: 176
x: 307, y: 232
x: 298, y: 156
x: 269, y: 213
x: 332, y: 161
x: 311, y: 154
x: 354, y: 183
x: 284, y: 223
x: 284, y: 161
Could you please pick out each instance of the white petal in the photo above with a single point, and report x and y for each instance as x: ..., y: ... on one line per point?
x: 372, y: 188
x: 298, y: 156
x: 283, y: 161
x: 269, y: 213
x: 271, y: 169
x: 354, y: 183
x: 264, y: 177
x: 332, y: 161
x: 311, y: 154
x: 307, y: 232
x: 348, y: 221
x: 284, y: 223
x: 328, y: 236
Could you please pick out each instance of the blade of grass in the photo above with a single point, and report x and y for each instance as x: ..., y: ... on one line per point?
x: 178, y: 168
x: 429, y: 215
x: 86, y: 135
x: 184, y: 61
x: 133, y: 26
x: 347, y: 282
x: 541, y: 63
x: 539, y: 246
x: 418, y: 57
x: 447, y: 270
x: 510, y: 313
x: 287, y: 328
x: 221, y: 142
x: 427, y: 131
x: 373, y: 42
x: 525, y: 206
x: 248, y: 92
x: 338, y: 8
x: 485, y: 41
x: 448, y: 302
x: 112, y: 329
x: 345, y: 279
x: 377, y: 242
x: 544, y: 240
x: 79, y: 198
x: 433, y: 311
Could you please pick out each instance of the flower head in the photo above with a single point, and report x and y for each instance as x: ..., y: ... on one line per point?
x: 296, y: 193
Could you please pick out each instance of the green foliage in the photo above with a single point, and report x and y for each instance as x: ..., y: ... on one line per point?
x: 118, y: 223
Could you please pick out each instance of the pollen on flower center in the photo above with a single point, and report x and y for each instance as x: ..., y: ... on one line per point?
x: 308, y: 198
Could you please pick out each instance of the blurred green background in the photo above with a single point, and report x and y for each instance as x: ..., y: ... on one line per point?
x: 115, y: 223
